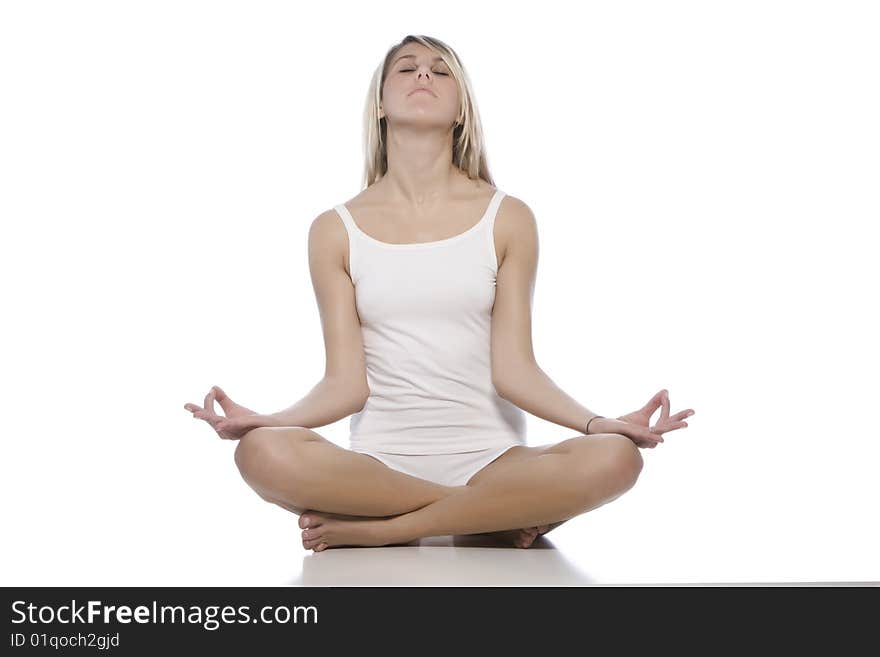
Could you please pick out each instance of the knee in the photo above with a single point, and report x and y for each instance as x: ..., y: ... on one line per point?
x: 263, y: 448
x: 253, y: 450
x: 611, y: 462
x: 622, y: 461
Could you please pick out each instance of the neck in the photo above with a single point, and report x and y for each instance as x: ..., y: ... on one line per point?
x: 420, y: 169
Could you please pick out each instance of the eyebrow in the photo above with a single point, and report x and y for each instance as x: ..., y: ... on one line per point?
x: 413, y: 56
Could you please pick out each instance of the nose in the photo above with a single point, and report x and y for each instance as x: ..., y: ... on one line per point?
x: 424, y: 71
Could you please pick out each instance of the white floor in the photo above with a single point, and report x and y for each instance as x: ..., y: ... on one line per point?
x: 468, y: 561
x: 442, y: 561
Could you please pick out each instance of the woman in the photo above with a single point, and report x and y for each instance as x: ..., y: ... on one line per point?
x: 426, y: 318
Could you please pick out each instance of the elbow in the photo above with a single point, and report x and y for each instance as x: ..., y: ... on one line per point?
x: 359, y: 400
x: 351, y: 391
x: 513, y: 375
x: 500, y: 388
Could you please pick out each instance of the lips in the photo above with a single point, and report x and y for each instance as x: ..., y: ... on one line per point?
x: 428, y: 91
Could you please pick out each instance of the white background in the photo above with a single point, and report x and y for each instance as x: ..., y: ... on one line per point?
x: 705, y: 180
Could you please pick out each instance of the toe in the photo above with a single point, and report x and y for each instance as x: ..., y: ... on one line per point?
x: 309, y: 545
x: 311, y: 519
x: 312, y: 533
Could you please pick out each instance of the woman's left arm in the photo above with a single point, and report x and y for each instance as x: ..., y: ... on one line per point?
x: 515, y: 372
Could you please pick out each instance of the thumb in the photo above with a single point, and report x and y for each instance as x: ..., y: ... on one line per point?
x: 223, y: 399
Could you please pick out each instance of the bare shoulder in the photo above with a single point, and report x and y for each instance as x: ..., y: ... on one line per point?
x: 328, y: 222
x: 515, y: 226
x: 515, y: 214
x: 328, y: 238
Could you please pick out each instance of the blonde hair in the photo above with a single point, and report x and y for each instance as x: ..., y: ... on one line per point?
x: 468, y: 146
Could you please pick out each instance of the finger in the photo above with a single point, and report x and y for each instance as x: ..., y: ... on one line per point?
x: 654, y: 402
x: 673, y: 426
x: 650, y: 436
x: 208, y: 417
x: 682, y: 414
x: 209, y: 401
x: 223, y: 399
x: 668, y: 427
x: 192, y: 408
x: 664, y: 414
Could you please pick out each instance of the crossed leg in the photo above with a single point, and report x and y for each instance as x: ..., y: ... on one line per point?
x: 523, y: 537
x: 545, y: 485
x: 298, y: 469
x: 528, y: 486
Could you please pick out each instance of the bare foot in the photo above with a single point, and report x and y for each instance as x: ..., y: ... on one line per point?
x: 324, y: 530
x: 521, y: 538
x: 524, y: 538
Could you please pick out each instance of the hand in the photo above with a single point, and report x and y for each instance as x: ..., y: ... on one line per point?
x: 641, y: 436
x: 665, y: 422
x: 237, y: 421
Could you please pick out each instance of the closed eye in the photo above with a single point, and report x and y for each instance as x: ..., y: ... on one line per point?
x: 405, y: 70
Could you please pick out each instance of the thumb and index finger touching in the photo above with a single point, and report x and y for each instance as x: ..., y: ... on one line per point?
x: 664, y: 406
x: 661, y: 399
x: 656, y: 401
x: 214, y: 394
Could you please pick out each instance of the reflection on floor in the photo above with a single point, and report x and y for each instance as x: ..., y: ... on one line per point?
x: 474, y: 560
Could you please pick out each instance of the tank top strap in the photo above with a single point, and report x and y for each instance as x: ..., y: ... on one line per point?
x: 492, y: 210
x: 491, y: 213
x: 353, y: 235
x: 347, y: 219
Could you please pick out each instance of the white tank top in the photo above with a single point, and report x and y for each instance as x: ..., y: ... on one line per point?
x: 425, y: 310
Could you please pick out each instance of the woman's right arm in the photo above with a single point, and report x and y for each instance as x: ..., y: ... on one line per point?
x: 344, y: 389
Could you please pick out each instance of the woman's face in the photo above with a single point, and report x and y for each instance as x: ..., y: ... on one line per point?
x: 419, y: 89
